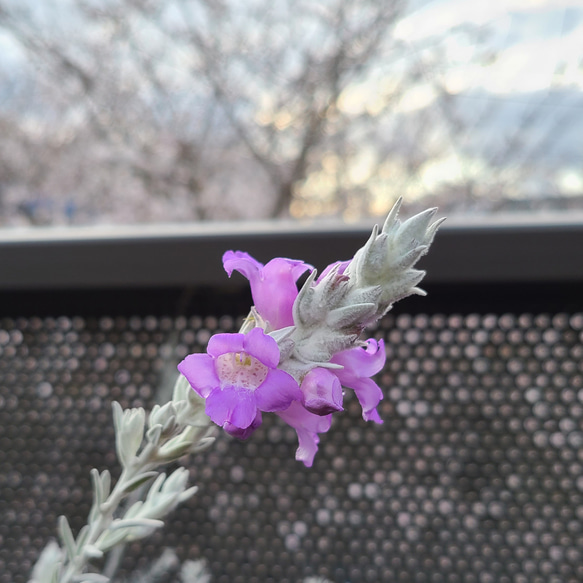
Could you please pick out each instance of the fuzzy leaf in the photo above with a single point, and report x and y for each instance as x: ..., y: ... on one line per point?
x: 136, y: 522
x: 154, y: 433
x: 67, y: 538
x: 90, y: 578
x: 92, y: 552
x: 138, y: 480
x: 46, y: 569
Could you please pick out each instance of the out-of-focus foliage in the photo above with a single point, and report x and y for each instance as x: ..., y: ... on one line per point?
x: 173, y: 110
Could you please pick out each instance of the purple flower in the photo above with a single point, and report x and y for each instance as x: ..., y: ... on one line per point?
x: 239, y: 379
x: 307, y: 426
x: 360, y: 364
x: 322, y: 392
x: 342, y: 265
x: 273, y: 286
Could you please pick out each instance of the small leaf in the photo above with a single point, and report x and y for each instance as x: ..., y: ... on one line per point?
x: 92, y: 552
x: 203, y: 444
x: 46, y: 569
x: 82, y: 537
x: 140, y: 479
x: 117, y: 415
x: 97, y: 496
x: 136, y: 522
x: 187, y: 494
x: 134, y: 509
x: 174, y: 449
x: 154, y: 433
x: 105, y: 483
x: 90, y: 578
x: 67, y: 538
x: 169, y: 424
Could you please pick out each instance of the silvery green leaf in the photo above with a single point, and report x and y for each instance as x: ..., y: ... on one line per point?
x: 92, y: 552
x: 330, y: 291
x: 303, y: 309
x: 187, y: 494
x: 97, y: 495
x: 153, y: 434
x: 202, y: 444
x: 431, y: 230
x: 175, y: 448
x: 135, y: 522
x: 134, y: 510
x: 82, y: 538
x: 67, y: 538
x: 161, y: 415
x: 169, y: 424
x: 117, y: 416
x: 402, y: 287
x: 110, y: 539
x: 129, y: 432
x: 350, y: 315
x: 193, y: 414
x: 181, y: 389
x: 415, y: 229
x: 47, y: 566
x: 387, y: 259
x: 156, y: 486
x: 165, y: 493
x: 105, y: 483
x: 282, y: 333
x: 90, y: 578
x: 364, y: 295
x: 176, y: 481
x: 391, y: 222
x: 118, y: 422
x: 101, y: 488
x: 409, y: 259
x: 134, y: 422
x: 322, y: 344
x: 194, y: 572
x: 138, y: 480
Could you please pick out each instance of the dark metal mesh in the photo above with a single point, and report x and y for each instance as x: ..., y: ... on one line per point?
x: 475, y: 476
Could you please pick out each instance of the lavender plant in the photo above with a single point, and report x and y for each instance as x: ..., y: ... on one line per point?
x: 295, y: 354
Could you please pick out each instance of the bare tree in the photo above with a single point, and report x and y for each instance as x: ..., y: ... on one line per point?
x: 225, y: 108
x: 145, y: 110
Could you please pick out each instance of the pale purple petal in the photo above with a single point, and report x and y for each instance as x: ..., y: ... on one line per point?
x: 243, y: 263
x: 199, y: 370
x: 231, y: 405
x: 264, y: 348
x: 277, y: 391
x: 274, y: 296
x: 359, y: 364
x: 224, y: 343
x: 369, y: 395
x: 362, y: 362
x: 243, y: 433
x: 273, y: 286
x: 343, y: 265
x: 322, y: 392
x: 307, y: 426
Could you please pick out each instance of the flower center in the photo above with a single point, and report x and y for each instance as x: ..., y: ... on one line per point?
x: 239, y: 369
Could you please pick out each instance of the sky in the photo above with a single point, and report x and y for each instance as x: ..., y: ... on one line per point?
x: 536, y: 49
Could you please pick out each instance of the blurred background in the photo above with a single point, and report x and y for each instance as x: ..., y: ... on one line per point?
x: 158, y: 111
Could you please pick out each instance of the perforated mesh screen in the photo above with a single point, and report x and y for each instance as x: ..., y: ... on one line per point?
x: 475, y: 476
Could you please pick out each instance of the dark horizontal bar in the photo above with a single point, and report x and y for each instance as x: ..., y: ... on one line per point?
x: 531, y: 251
